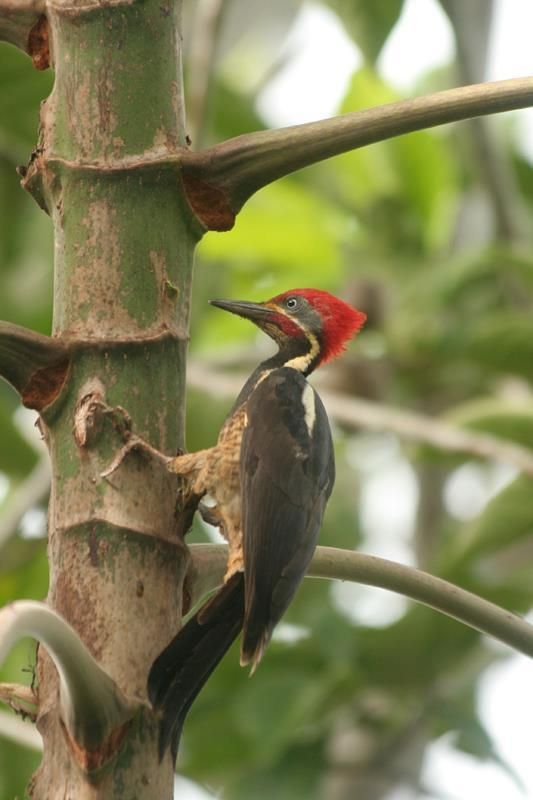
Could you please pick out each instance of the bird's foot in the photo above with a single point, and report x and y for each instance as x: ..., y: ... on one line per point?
x: 235, y: 564
x: 123, y: 426
x: 210, y: 514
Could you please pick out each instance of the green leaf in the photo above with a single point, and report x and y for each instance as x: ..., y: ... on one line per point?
x: 502, y: 342
x: 16, y: 455
x: 507, y: 519
x: 404, y: 189
x: 295, y: 775
x: 303, y: 249
x: 304, y: 225
x: 366, y: 173
x: 233, y: 113
x: 16, y: 764
x: 369, y: 24
x: 26, y: 252
x: 22, y: 89
x: 460, y: 714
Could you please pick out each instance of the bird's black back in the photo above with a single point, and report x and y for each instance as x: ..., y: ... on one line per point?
x: 287, y: 474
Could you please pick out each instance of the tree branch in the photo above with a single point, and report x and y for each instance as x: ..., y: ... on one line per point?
x: 348, y: 565
x: 92, y: 706
x: 356, y: 413
x: 35, y: 365
x: 18, y: 18
x: 20, y: 698
x: 219, y: 180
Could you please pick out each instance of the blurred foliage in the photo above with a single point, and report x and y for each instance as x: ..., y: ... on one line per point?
x: 369, y: 24
x: 395, y: 229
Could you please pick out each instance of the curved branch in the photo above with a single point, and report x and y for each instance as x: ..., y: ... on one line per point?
x: 219, y: 180
x: 34, y: 364
x: 348, y: 565
x: 356, y: 413
x: 92, y: 706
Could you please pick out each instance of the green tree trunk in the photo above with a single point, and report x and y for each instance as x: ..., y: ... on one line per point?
x: 107, y: 171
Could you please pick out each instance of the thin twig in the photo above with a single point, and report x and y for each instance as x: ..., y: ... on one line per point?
x: 356, y: 413
x: 347, y: 565
x: 21, y: 699
x: 227, y: 174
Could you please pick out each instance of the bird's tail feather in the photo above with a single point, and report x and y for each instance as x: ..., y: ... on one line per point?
x: 181, y: 670
x: 254, y: 644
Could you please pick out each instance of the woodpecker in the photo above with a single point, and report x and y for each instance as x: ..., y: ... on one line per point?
x: 270, y: 476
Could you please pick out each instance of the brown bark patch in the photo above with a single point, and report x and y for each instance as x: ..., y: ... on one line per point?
x: 209, y: 203
x: 44, y: 385
x: 88, y: 419
x: 39, y: 44
x: 90, y: 760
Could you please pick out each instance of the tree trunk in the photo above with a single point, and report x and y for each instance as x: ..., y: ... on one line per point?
x: 107, y: 172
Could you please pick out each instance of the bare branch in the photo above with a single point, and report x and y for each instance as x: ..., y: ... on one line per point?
x: 347, y: 565
x: 92, y: 706
x: 32, y: 491
x: 417, y: 428
x: 356, y: 413
x: 220, y: 179
x: 35, y: 365
x: 20, y: 698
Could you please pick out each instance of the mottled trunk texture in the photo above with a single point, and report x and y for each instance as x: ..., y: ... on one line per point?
x: 107, y: 170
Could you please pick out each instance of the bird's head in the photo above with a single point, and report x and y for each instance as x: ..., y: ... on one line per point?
x: 310, y: 326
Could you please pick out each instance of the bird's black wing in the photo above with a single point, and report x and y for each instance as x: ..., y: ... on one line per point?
x: 287, y: 474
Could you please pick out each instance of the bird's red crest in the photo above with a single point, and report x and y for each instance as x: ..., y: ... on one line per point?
x: 340, y: 321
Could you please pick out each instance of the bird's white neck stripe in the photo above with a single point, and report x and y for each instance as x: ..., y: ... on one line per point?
x: 309, y: 404
x: 302, y: 363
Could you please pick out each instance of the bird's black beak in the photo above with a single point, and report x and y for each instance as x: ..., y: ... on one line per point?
x: 255, y: 312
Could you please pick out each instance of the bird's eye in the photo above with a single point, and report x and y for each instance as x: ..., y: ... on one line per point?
x: 291, y: 303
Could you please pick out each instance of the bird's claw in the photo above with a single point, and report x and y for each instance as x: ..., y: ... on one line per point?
x: 182, y: 493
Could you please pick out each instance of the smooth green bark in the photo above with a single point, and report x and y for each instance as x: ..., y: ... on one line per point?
x: 107, y: 172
